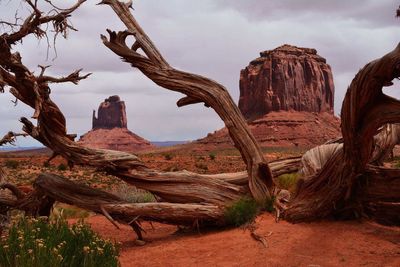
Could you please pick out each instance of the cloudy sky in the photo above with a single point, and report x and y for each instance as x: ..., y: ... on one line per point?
x: 215, y: 38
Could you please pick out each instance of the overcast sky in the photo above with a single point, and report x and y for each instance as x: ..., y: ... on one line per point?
x: 215, y: 38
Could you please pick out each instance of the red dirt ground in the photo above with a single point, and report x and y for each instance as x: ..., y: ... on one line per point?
x: 315, y: 244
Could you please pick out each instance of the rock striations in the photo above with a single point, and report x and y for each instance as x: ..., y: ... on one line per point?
x: 109, y: 129
x: 286, y: 78
x: 287, y: 97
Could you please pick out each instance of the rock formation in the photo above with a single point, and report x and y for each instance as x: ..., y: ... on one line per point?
x: 111, y: 114
x: 286, y: 78
x: 287, y: 96
x: 284, y: 129
x: 109, y: 129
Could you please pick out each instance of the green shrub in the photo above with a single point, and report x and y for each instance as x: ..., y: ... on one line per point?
x: 269, y: 204
x: 62, y: 167
x: 35, y: 242
x: 11, y: 164
x: 288, y: 181
x: 212, y: 156
x: 242, y: 211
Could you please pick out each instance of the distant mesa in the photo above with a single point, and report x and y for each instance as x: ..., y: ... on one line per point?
x: 110, y: 129
x: 287, y: 97
x: 287, y: 78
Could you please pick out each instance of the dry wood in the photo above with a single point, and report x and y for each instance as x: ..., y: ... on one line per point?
x: 341, y: 187
x: 197, y: 89
x: 335, y: 189
x: 384, y: 143
x: 192, y: 197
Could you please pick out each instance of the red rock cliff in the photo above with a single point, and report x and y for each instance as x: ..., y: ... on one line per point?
x: 111, y: 114
x: 286, y: 78
x: 109, y: 130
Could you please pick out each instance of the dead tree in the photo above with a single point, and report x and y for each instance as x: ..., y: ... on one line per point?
x: 348, y: 185
x: 187, y: 197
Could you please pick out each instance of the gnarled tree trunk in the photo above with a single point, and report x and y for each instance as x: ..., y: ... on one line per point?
x: 336, y: 189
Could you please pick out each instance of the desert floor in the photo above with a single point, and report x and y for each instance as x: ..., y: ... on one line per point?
x: 327, y: 243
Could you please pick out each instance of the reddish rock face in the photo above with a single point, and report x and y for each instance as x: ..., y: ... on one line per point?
x: 111, y: 114
x: 120, y: 139
x: 284, y: 129
x: 110, y: 129
x: 286, y: 78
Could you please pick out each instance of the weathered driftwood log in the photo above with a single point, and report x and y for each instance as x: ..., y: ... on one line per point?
x: 335, y: 189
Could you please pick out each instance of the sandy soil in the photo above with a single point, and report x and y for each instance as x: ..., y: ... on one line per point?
x: 314, y: 244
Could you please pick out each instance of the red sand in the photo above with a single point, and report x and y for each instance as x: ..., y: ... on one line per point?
x: 315, y: 244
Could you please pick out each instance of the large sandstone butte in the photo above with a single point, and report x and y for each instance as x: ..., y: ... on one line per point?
x: 111, y: 114
x: 286, y: 78
x: 109, y: 129
x: 287, y: 97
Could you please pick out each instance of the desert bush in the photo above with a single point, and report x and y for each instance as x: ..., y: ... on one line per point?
x: 36, y: 242
x: 11, y: 164
x: 132, y: 194
x: 62, y: 167
x: 288, y: 181
x: 168, y: 156
x: 201, y: 166
x: 242, y: 211
x: 269, y: 204
x: 212, y: 156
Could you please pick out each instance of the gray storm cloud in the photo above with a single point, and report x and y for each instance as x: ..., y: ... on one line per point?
x: 215, y: 38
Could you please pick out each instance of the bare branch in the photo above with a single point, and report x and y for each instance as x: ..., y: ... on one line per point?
x: 74, y: 78
x: 10, y: 138
x: 36, y: 19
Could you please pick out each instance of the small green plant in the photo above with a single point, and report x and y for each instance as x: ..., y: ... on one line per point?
x: 12, y: 164
x: 269, y: 204
x: 242, y: 211
x: 62, y: 167
x: 168, y: 156
x: 212, y: 156
x: 288, y: 181
x: 36, y: 242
